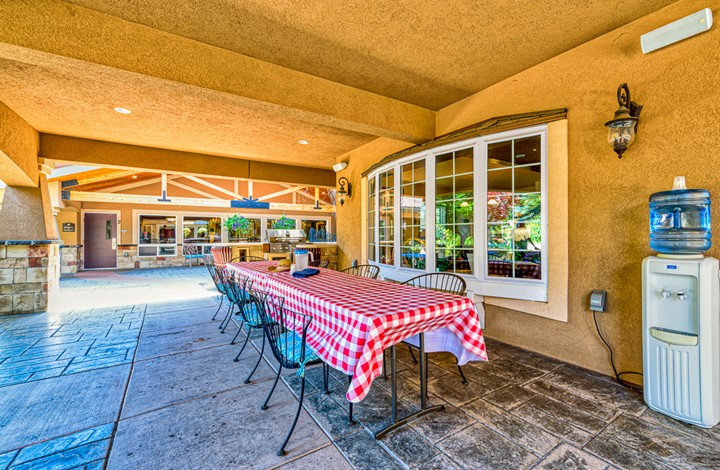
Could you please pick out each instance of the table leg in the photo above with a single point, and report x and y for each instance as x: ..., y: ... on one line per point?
x: 424, y: 409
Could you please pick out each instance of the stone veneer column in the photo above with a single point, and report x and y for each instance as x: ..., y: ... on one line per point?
x: 29, y: 270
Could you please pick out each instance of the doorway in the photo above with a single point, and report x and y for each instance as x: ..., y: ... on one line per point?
x: 100, y: 240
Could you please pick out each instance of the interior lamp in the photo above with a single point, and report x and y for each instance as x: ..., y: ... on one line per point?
x: 345, y: 189
x: 623, y: 127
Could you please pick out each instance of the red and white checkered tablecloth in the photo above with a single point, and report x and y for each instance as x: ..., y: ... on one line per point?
x: 355, y: 319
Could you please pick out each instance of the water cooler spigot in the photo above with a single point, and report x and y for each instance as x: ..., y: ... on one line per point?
x: 682, y: 295
x: 665, y: 294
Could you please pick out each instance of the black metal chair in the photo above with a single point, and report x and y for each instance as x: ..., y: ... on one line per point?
x: 286, y: 331
x: 222, y: 291
x: 224, y: 277
x: 246, y: 259
x: 321, y: 263
x: 248, y: 314
x: 440, y: 282
x: 363, y: 270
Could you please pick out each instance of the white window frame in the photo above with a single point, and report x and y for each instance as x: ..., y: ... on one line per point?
x: 479, y: 282
x: 137, y: 229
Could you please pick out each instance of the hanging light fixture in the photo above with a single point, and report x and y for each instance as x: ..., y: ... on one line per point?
x: 623, y: 127
x: 342, y: 191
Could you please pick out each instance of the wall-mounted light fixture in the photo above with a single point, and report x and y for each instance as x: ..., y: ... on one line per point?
x: 623, y: 127
x: 345, y: 189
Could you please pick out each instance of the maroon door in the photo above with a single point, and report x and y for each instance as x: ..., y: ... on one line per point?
x: 100, y: 241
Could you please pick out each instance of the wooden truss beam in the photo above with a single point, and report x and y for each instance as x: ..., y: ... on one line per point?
x: 84, y: 196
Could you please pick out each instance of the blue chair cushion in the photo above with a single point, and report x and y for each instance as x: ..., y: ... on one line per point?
x: 193, y: 256
x: 290, y: 345
x: 251, y: 314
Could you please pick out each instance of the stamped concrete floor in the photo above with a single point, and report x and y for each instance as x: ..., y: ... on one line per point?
x: 152, y: 384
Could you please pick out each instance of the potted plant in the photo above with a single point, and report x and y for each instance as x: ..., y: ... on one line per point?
x: 284, y: 223
x: 238, y: 223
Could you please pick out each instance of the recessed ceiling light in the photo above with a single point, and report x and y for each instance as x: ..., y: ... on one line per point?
x: 303, y: 142
x: 134, y: 177
x: 122, y: 110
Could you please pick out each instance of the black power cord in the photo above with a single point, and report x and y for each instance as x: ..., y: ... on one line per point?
x: 618, y: 375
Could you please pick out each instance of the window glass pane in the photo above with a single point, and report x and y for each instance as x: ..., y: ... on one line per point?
x: 500, y: 181
x: 499, y: 154
x: 202, y: 229
x: 444, y: 260
x: 316, y: 230
x: 464, y: 187
x: 157, y: 229
x: 406, y: 173
x: 443, y: 165
x: 166, y: 250
x: 500, y: 236
x: 274, y: 224
x: 464, y: 261
x: 419, y: 170
x: 387, y: 254
x: 527, y: 150
x: 499, y: 207
x: 500, y: 264
x: 515, y: 209
x: 466, y: 235
x: 251, y: 235
x: 464, y: 161
x: 371, y: 235
x: 147, y: 251
x: 444, y: 188
x: 528, y: 265
x: 527, y: 179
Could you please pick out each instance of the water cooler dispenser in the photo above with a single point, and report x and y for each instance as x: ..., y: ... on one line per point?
x: 681, y: 310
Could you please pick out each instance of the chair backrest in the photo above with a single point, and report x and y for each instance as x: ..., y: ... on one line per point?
x: 442, y: 282
x: 239, y: 288
x: 221, y: 254
x: 363, y: 270
x: 246, y: 259
x: 280, y: 325
x: 210, y: 265
x: 190, y: 249
x: 320, y: 263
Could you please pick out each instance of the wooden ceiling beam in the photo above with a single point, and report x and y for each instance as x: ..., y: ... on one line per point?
x: 132, y: 157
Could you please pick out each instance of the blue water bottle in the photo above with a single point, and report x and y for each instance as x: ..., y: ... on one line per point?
x: 680, y: 220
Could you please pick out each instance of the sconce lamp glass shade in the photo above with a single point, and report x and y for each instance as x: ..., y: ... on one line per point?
x: 623, y: 127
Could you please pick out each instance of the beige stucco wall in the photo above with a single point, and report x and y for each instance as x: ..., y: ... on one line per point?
x: 19, y: 144
x: 608, y: 215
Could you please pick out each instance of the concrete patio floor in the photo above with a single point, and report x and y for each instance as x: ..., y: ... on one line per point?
x: 145, y: 380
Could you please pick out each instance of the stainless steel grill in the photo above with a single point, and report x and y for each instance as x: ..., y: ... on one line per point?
x: 284, y: 241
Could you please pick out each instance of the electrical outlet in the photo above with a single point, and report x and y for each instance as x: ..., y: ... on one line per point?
x: 597, y: 300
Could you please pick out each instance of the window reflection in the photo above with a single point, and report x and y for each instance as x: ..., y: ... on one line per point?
x: 514, y: 206
x: 454, y: 212
x: 202, y: 229
x: 156, y: 229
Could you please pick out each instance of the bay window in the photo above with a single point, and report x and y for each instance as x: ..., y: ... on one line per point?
x: 475, y: 208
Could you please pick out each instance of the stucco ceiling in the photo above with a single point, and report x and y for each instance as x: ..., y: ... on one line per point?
x: 250, y: 78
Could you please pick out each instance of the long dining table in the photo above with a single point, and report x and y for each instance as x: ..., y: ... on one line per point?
x: 354, y: 319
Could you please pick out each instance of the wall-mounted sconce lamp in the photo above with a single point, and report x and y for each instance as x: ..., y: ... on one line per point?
x: 345, y: 189
x: 623, y: 127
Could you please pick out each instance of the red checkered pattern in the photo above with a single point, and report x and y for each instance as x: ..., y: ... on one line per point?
x: 355, y: 319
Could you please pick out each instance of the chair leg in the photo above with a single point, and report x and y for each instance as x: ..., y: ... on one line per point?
x: 262, y: 350
x: 281, y: 451
x: 247, y: 338
x: 228, y: 317
x: 464, y: 380
x: 326, y: 378
x: 277, y: 377
x: 222, y: 298
x: 427, y: 374
x: 415, y: 361
x: 240, y: 327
